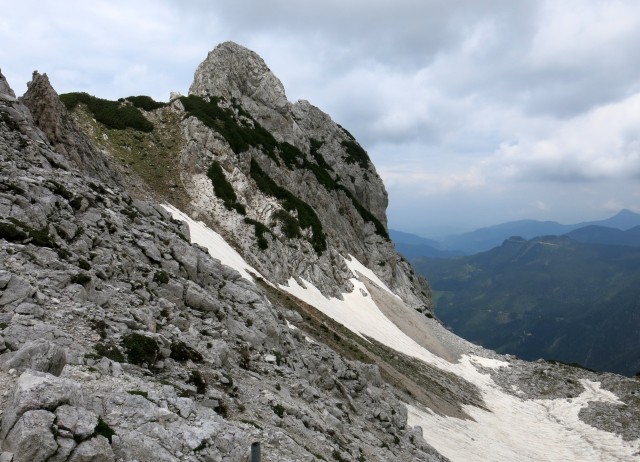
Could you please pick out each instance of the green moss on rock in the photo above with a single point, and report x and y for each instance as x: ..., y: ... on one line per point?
x: 306, y: 216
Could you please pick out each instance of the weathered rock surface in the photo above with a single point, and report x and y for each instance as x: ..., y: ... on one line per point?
x: 122, y: 341
x: 332, y: 174
x: 65, y: 136
x: 236, y: 73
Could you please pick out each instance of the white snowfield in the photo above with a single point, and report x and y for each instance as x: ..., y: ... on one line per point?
x: 514, y: 430
x: 213, y: 242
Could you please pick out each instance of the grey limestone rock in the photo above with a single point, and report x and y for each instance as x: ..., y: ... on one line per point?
x: 5, y: 89
x: 80, y: 422
x: 39, y: 355
x: 31, y: 439
x: 37, y: 390
x: 113, y: 286
x: 16, y: 290
x: 51, y: 116
x: 350, y: 199
x: 236, y: 73
x: 96, y: 449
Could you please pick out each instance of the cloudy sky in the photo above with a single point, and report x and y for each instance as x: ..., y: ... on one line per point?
x: 475, y: 112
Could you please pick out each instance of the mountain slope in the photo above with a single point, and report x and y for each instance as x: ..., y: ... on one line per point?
x: 142, y: 346
x: 594, y: 234
x: 549, y: 297
x: 411, y: 246
x: 288, y: 186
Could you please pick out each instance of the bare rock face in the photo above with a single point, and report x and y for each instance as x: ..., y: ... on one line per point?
x: 236, y: 73
x: 122, y: 341
x: 311, y: 158
x: 5, y: 89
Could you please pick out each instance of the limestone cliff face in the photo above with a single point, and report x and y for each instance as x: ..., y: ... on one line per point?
x: 312, y: 158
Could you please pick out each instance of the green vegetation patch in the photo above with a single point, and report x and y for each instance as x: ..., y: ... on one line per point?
x: 289, y: 225
x: 180, y: 351
x: 113, y: 114
x: 144, y: 102
x: 291, y: 155
x: 109, y: 351
x: 154, y: 156
x: 140, y: 349
x: 240, y: 136
x: 161, y: 277
x: 355, y: 153
x: 80, y: 278
x: 306, y: 216
x: 321, y: 172
x: 223, y: 189
x: 260, y: 230
x: 59, y: 189
x: 14, y: 230
x: 12, y: 233
x: 547, y: 297
x: 144, y: 394
x: 196, y: 379
x: 278, y: 409
x: 103, y: 429
x: 203, y: 445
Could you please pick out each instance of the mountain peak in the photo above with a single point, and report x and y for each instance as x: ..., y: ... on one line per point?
x: 626, y: 213
x: 45, y: 106
x: 236, y: 73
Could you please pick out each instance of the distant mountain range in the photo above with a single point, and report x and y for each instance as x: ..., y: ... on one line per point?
x: 610, y: 236
x: 549, y: 297
x: 411, y: 246
x: 489, y: 237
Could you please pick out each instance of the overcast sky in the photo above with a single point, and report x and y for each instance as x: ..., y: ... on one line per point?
x: 475, y: 112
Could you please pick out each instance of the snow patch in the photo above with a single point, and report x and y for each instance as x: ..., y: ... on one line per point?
x: 214, y: 243
x: 524, y: 430
x: 356, y: 267
x: 514, y: 429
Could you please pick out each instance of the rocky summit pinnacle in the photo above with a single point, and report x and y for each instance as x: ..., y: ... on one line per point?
x: 51, y: 116
x: 234, y: 72
x: 341, y: 200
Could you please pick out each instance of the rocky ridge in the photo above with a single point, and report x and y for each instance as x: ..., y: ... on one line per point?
x: 122, y: 341
x: 293, y: 190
